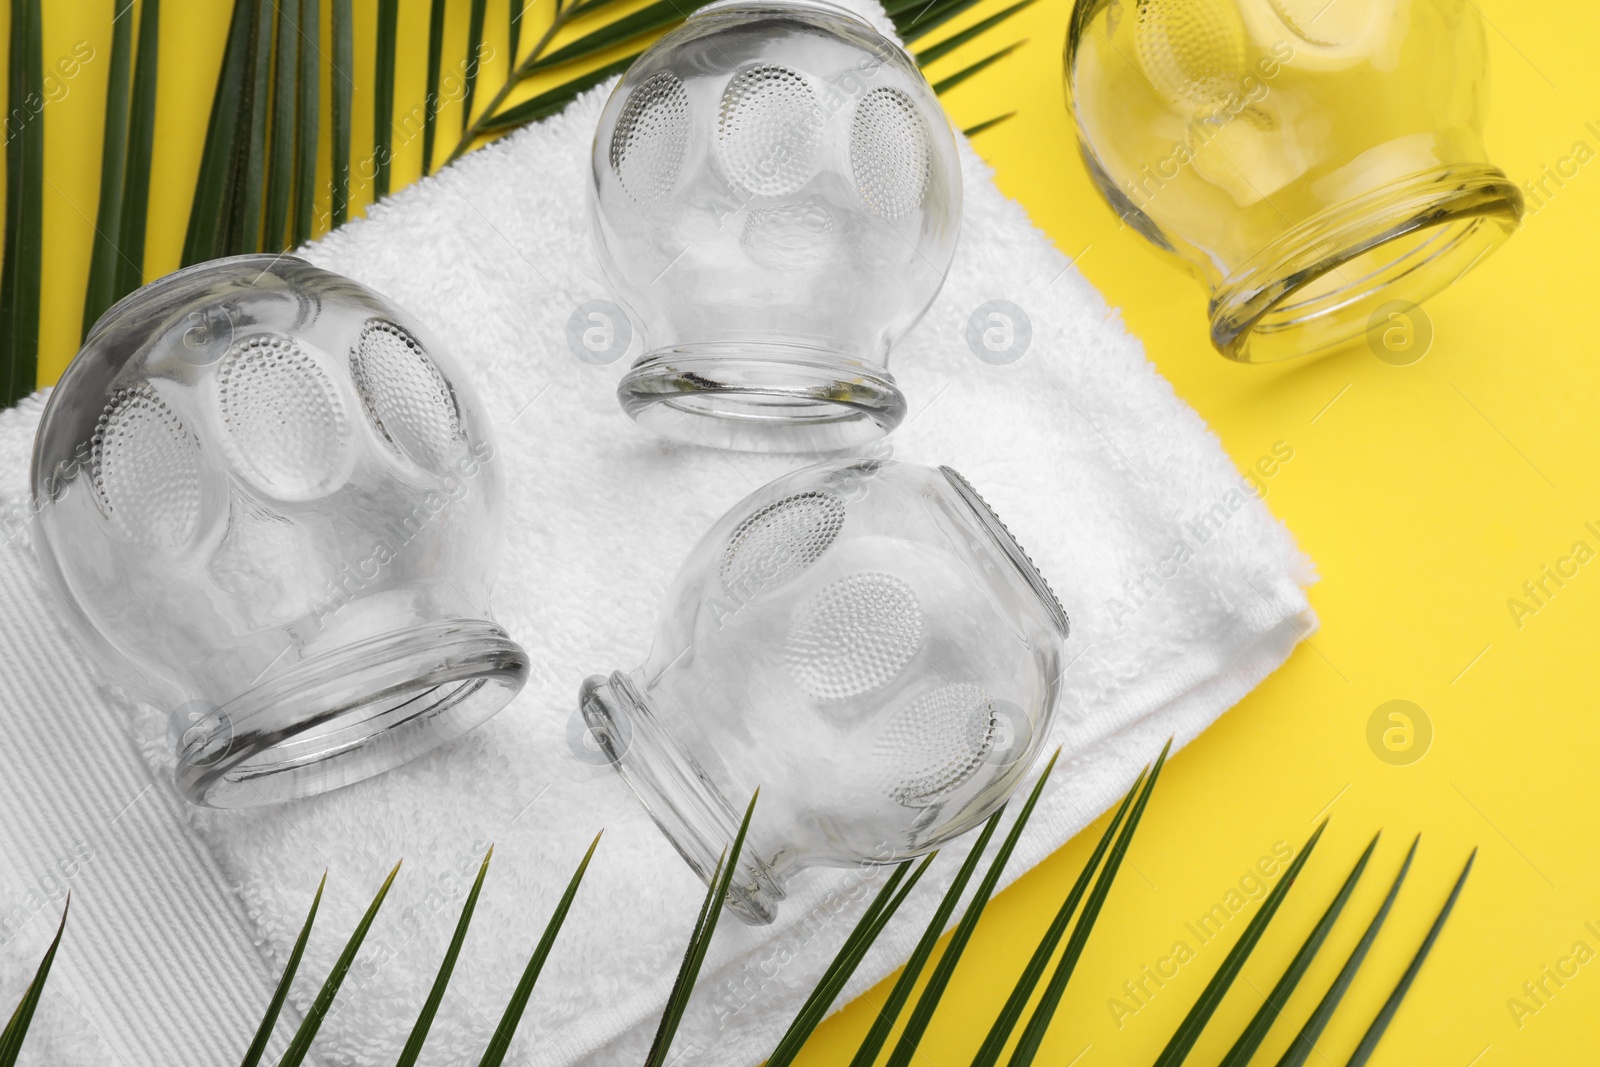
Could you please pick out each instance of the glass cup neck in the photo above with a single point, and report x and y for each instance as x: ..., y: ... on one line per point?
x: 693, y: 813
x: 1321, y: 284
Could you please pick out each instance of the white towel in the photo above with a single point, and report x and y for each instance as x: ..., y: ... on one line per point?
x: 1182, y: 589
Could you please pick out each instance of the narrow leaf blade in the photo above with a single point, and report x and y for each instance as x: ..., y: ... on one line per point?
x: 141, y: 147
x: 973, y: 131
x: 1375, y: 1032
x: 1256, y: 1031
x: 495, y: 1054
x: 21, y: 272
x: 699, y: 944
x: 383, y: 95
x: 16, y: 1030
x: 939, y: 980
x: 215, y: 186
x: 280, y: 171
x: 342, y: 86
x: 430, y: 103
x: 878, y: 1034
x: 258, y: 1046
x: 548, y: 103
x: 301, y: 1044
x: 447, y: 966
x: 1304, y: 1041
x: 474, y: 61
x: 655, y: 16
x: 99, y: 293
x: 1044, y: 1012
x: 1194, y: 1023
x: 1000, y: 1031
x: 309, y: 106
x: 946, y: 84
x: 938, y: 51
x: 866, y: 931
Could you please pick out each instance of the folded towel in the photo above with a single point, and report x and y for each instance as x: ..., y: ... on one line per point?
x: 1182, y: 589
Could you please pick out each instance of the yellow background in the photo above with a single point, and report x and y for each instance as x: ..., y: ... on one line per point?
x: 1426, y: 494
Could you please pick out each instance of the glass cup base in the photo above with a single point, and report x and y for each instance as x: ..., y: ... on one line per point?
x: 349, y: 714
x: 1315, y: 288
x: 693, y: 813
x: 762, y: 397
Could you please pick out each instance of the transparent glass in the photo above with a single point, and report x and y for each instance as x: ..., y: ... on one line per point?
x: 776, y: 198
x: 1313, y: 161
x: 269, y: 504
x: 862, y: 640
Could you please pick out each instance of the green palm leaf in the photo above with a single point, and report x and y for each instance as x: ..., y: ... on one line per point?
x: 1380, y: 1025
x: 1044, y: 1012
x: 341, y: 85
x: 867, y: 1054
x: 1000, y: 1032
x: 258, y: 1047
x: 101, y: 291
x: 441, y: 981
x: 301, y: 1044
x: 141, y: 147
x: 430, y: 103
x: 1305, y: 1040
x: 1194, y: 1023
x: 383, y: 97
x: 500, y: 1042
x: 474, y: 60
x: 16, y: 1030
x: 244, y: 232
x: 933, y: 992
x: 24, y: 237
x: 1272, y: 1007
x: 694, y: 956
x: 286, y: 73
x: 308, y: 102
x: 850, y: 954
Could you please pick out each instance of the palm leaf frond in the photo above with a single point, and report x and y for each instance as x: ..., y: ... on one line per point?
x: 921, y: 1015
x: 20, y: 277
x: 301, y: 1044
x: 1044, y: 1012
x: 281, y: 168
x: 1256, y: 1031
x: 705, y: 928
x: 430, y: 100
x: 1011, y: 1013
x: 934, y: 53
x: 341, y: 87
x: 16, y: 1030
x: 973, y: 131
x: 474, y: 60
x: 1194, y: 1023
x: 383, y: 96
x: 944, y: 85
x: 844, y: 964
x: 1380, y: 1025
x: 506, y: 1029
x: 141, y: 148
x: 215, y: 186
x: 447, y: 966
x: 244, y: 231
x: 101, y: 291
x: 258, y: 1046
x: 308, y: 102
x: 878, y: 1034
x: 1305, y: 1040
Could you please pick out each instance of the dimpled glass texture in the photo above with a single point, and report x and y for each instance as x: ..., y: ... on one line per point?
x: 270, y: 506
x: 775, y: 197
x: 865, y: 642
x: 1318, y: 164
